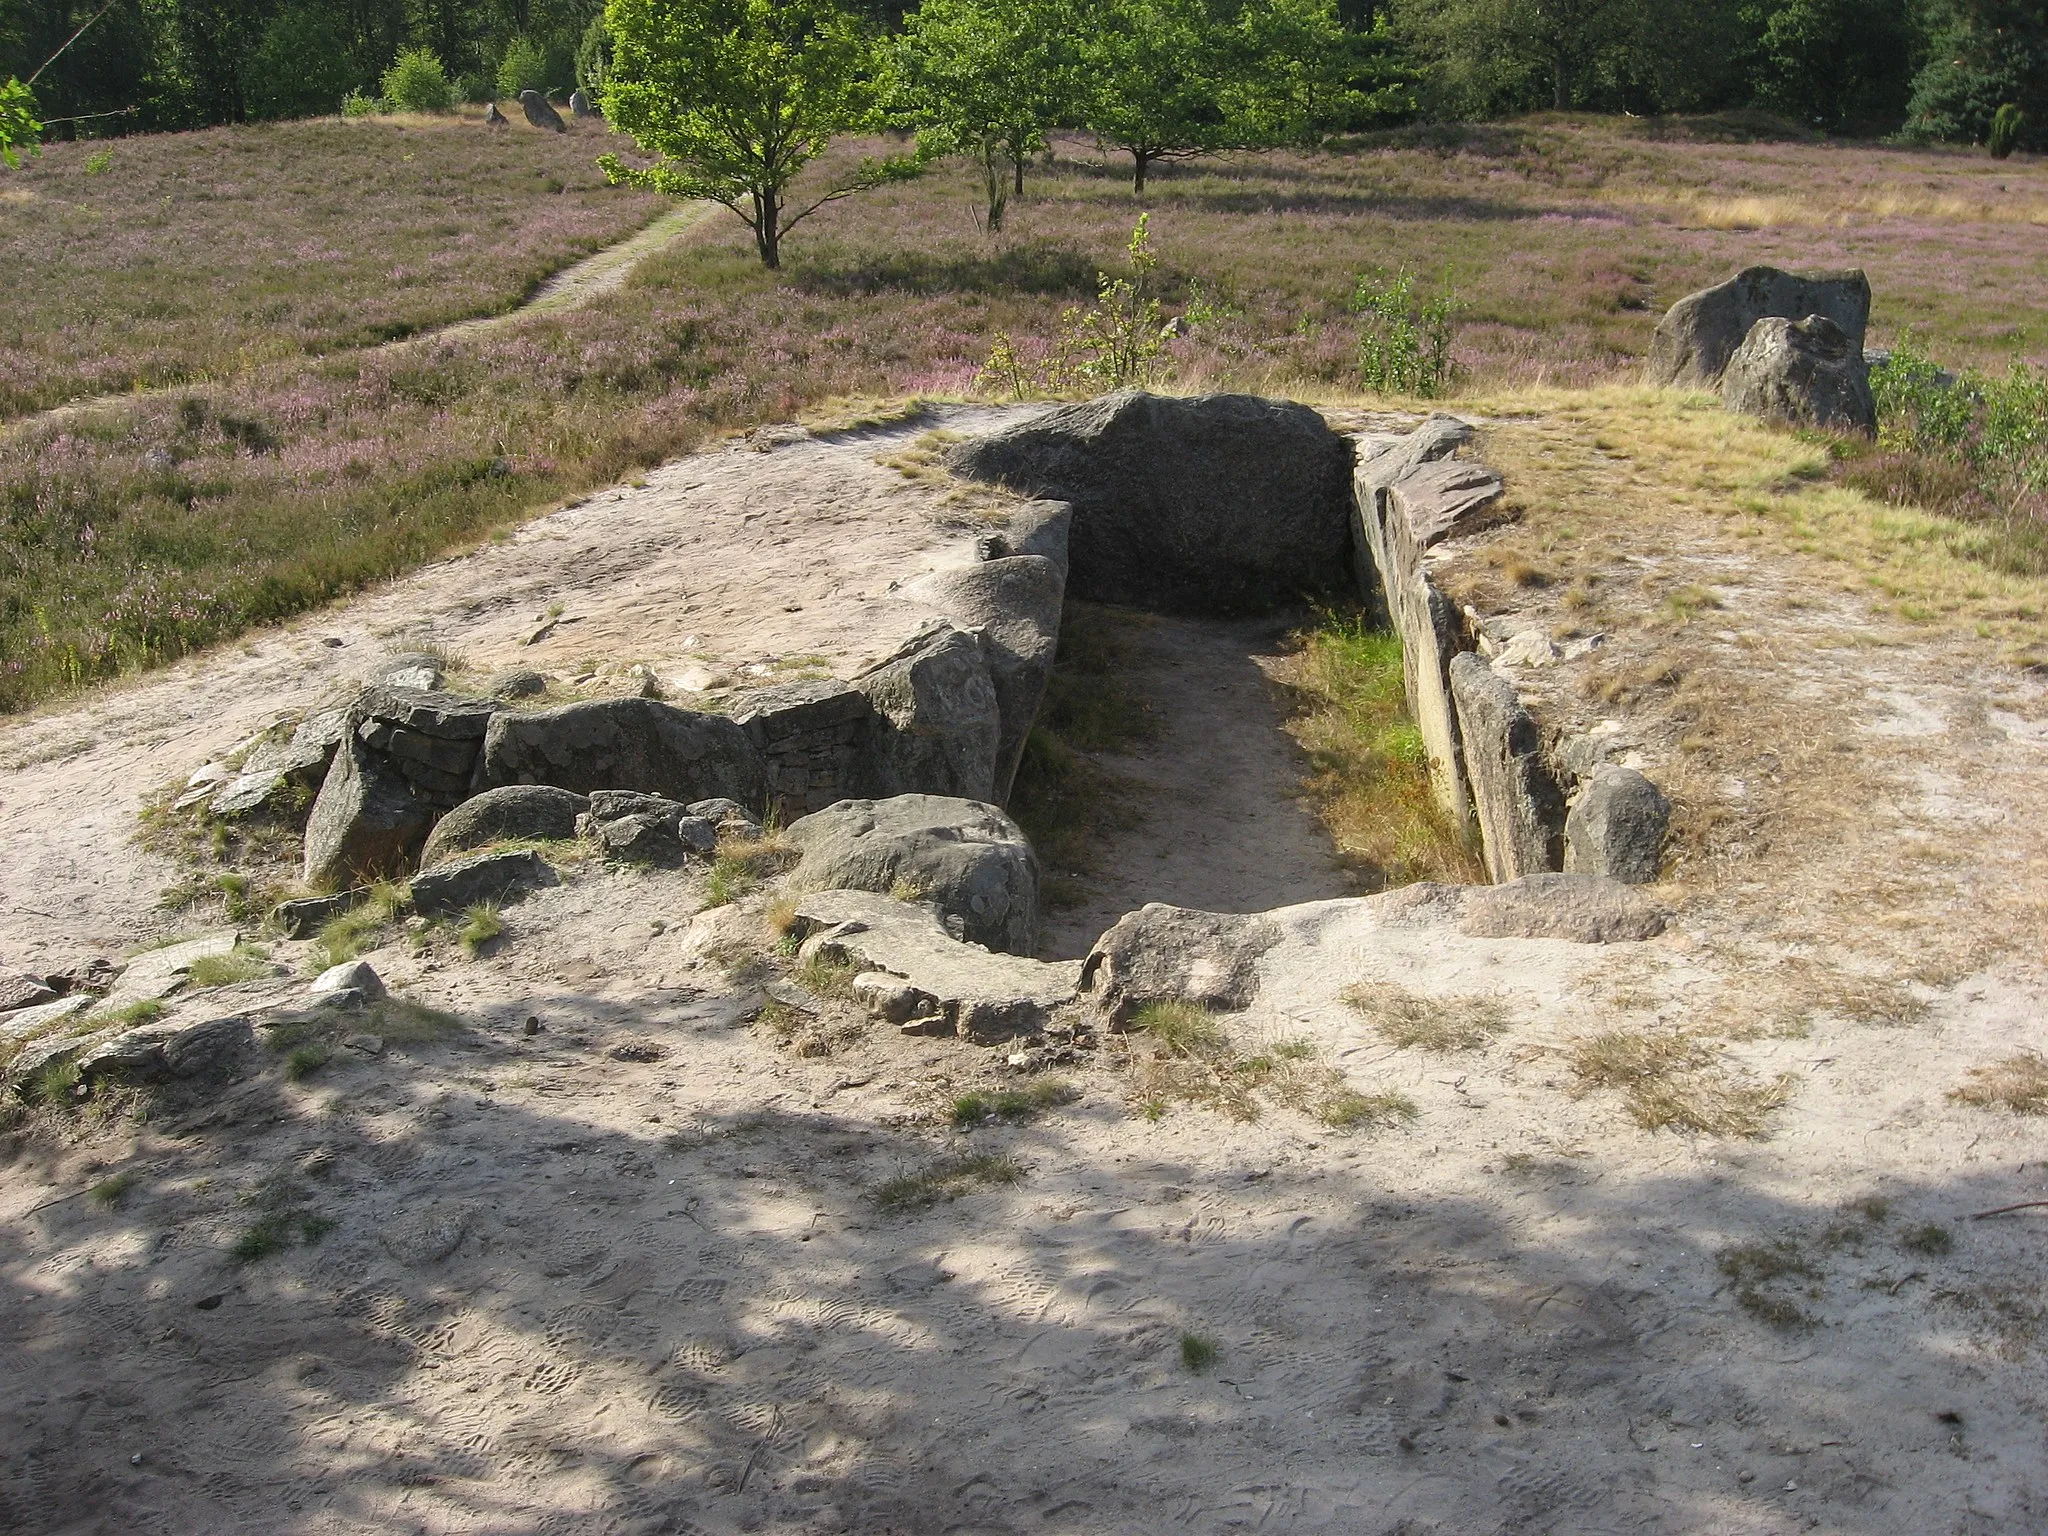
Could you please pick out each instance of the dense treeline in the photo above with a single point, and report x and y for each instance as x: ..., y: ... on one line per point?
x: 1925, y: 69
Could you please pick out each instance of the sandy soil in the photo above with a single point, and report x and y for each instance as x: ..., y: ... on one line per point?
x: 629, y: 1273
x: 1218, y: 824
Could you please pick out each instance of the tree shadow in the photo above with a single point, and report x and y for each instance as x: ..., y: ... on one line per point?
x: 1035, y: 267
x: 528, y: 1320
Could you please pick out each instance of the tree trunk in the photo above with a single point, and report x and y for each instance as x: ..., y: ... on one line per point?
x: 768, y: 228
x: 1143, y: 159
x: 1017, y: 159
x: 1560, y: 83
x: 992, y: 181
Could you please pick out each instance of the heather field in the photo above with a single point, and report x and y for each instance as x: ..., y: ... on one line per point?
x: 277, y: 480
x: 166, y: 258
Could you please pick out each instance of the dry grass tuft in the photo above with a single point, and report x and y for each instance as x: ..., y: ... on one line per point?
x: 1194, y: 1061
x: 1676, y: 1082
x: 1407, y: 1020
x: 2017, y: 1083
x: 947, y: 1179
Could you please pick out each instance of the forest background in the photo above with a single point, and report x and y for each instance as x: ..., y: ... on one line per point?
x: 1920, y: 70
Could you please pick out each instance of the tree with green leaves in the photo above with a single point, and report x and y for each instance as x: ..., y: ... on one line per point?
x: 987, y: 78
x: 1155, y: 73
x: 1303, y: 73
x: 1493, y: 55
x: 738, y: 97
x: 18, y: 124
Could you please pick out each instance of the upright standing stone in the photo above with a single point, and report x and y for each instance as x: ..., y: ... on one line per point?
x: 1521, y: 813
x: 1699, y: 334
x: 539, y: 113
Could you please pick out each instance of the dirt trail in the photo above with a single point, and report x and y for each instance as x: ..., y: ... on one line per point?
x: 574, y: 286
x: 1218, y: 826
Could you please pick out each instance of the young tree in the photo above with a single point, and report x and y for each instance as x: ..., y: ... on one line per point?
x: 18, y: 125
x: 987, y: 77
x: 739, y: 96
x: 1155, y: 75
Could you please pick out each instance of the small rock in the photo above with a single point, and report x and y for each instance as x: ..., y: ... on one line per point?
x: 1165, y: 954
x: 351, y: 975
x: 580, y: 104
x: 307, y: 916
x: 495, y: 119
x: 637, y: 1050
x: 210, y: 773
x: 367, y: 1045
x: 531, y: 1026
x: 22, y: 991
x: 426, y: 1237
x: 890, y: 998
x: 640, y: 839
x: 520, y: 683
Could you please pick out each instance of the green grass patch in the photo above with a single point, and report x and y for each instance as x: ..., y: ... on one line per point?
x: 1197, y: 1353
x: 110, y: 1190
x: 979, y: 1108
x: 241, y: 963
x: 362, y: 927
x: 947, y: 1179
x: 482, y: 923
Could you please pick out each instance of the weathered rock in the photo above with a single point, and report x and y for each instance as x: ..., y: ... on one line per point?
x: 641, y: 839
x: 637, y: 744
x: 21, y: 991
x: 519, y: 683
x: 428, y: 1234
x: 305, y: 917
x: 938, y: 724
x: 1521, y: 810
x: 1217, y: 504
x: 419, y: 671
x: 580, y: 104
x: 1163, y: 954
x: 153, y: 1052
x: 282, y: 776
x: 968, y: 859
x: 157, y: 973
x: 890, y: 998
x: 96, y: 975
x: 366, y: 824
x: 537, y: 811
x: 540, y: 113
x: 449, y: 888
x: 496, y: 119
x: 1042, y: 528
x: 612, y: 804
x: 1700, y: 333
x: 1584, y: 909
x: 1408, y: 495
x: 349, y: 976
x: 983, y: 997
x: 724, y: 813
x: 20, y: 1023
x: 813, y: 736
x: 1014, y: 602
x: 1616, y: 827
x: 1805, y: 372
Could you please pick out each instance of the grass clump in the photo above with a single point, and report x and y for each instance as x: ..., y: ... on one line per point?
x: 242, y: 963
x: 743, y: 862
x: 1674, y: 1082
x: 144, y: 1010
x: 824, y: 977
x: 302, y: 1061
x: 1194, y: 1061
x: 978, y: 1108
x: 2018, y: 1083
x: 947, y: 1179
x: 110, y: 1190
x: 1759, y: 1270
x: 1931, y: 1239
x: 481, y: 924
x: 1370, y: 773
x: 361, y: 928
x: 282, y: 1220
x: 1407, y: 1020
x: 1197, y: 1353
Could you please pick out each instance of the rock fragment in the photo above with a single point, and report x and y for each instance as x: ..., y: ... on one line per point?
x: 1805, y: 373
x: 1165, y: 954
x: 460, y: 884
x: 1617, y: 827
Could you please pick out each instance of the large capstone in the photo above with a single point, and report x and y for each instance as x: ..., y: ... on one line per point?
x: 966, y: 858
x: 639, y: 744
x: 1699, y: 334
x: 1215, y: 504
x: 1806, y: 373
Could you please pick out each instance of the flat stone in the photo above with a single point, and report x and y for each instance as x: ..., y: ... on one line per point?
x: 426, y: 712
x: 157, y: 973
x: 453, y: 887
x: 1582, y: 909
x: 512, y: 811
x: 305, y: 917
x: 153, y: 1052
x: 23, y: 1022
x: 986, y: 998
x: 18, y: 990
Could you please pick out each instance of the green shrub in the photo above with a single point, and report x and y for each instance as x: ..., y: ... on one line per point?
x: 1403, y: 348
x: 415, y: 82
x: 524, y: 68
x: 357, y: 104
x: 2004, y: 137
